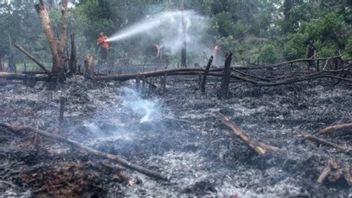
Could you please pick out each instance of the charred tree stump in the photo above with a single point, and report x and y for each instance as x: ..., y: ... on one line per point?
x: 73, y: 55
x: 258, y: 147
x: 205, y: 74
x: 89, y: 67
x: 31, y: 57
x: 224, y: 89
x: 114, y: 158
x: 62, y: 111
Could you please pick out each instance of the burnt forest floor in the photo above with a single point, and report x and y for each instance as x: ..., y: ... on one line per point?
x: 175, y: 132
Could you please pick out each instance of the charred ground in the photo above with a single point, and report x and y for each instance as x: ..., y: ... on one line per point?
x: 186, y: 142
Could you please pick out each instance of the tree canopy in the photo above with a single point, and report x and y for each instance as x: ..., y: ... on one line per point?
x: 256, y: 31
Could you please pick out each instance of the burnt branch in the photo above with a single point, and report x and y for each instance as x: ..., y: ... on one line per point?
x: 115, y: 158
x: 258, y: 147
x: 25, y: 52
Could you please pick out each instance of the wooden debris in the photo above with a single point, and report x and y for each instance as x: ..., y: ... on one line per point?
x: 346, y: 149
x: 334, y: 171
x: 330, y: 129
x: 224, y: 89
x: 111, y: 157
x: 25, y: 52
x: 330, y: 166
x: 204, y: 80
x: 16, y: 76
x: 258, y: 147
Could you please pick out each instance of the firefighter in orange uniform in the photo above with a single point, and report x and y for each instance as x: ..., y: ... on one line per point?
x: 102, y: 41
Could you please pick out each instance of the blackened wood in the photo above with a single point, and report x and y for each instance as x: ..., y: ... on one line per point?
x: 73, y: 55
x: 205, y: 74
x: 115, y: 158
x: 224, y: 89
x: 258, y: 147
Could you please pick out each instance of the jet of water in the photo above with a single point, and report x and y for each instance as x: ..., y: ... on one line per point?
x: 151, y: 23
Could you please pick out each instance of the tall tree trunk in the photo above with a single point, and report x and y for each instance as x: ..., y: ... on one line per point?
x: 63, y: 27
x: 57, y: 45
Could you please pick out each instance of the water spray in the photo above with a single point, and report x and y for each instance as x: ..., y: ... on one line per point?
x: 148, y: 24
x: 172, y: 29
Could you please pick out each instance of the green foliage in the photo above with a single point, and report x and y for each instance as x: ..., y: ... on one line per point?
x: 349, y: 48
x: 295, y: 46
x: 256, y: 31
x: 268, y: 54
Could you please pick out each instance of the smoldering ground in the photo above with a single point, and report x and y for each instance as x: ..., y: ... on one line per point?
x: 185, y: 141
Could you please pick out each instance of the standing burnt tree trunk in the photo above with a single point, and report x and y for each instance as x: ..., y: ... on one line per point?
x: 73, y: 56
x: 1, y: 60
x: 224, y: 90
x: 204, y: 80
x: 57, y: 45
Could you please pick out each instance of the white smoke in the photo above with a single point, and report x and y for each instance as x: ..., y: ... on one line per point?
x: 147, y: 110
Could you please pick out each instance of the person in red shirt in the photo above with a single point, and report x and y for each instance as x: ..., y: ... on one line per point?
x: 102, y: 41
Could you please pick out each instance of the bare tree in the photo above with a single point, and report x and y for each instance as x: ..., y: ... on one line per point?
x: 57, y: 44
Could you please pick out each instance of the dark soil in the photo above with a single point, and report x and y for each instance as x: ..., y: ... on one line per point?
x: 182, y: 139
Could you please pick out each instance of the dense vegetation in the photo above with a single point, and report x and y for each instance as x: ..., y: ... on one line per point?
x: 256, y: 31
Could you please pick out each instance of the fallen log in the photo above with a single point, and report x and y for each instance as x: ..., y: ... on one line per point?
x: 141, y: 75
x: 330, y: 129
x: 25, y: 52
x: 296, y: 61
x: 16, y: 76
x: 217, y: 73
x: 111, y: 157
x: 258, y: 147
